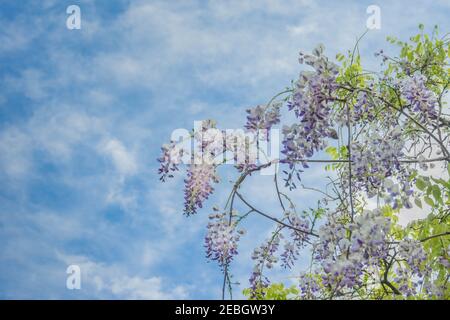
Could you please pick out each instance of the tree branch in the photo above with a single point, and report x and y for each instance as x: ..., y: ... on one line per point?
x: 274, y: 219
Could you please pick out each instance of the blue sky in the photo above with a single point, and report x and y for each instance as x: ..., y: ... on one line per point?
x: 83, y: 114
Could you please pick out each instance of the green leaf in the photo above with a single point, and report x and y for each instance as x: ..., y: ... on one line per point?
x: 420, y: 184
x: 429, y: 201
x: 429, y: 190
x: 416, y: 38
x: 437, y: 194
x: 418, y: 203
x: 340, y: 57
x: 332, y: 151
x: 440, y: 181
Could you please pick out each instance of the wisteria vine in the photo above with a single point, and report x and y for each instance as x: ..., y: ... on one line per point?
x: 386, y: 135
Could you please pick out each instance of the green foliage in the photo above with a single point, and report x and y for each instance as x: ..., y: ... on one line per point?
x: 336, y: 154
x: 276, y: 291
x: 429, y: 55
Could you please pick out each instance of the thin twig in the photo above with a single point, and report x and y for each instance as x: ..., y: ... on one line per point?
x: 274, y: 219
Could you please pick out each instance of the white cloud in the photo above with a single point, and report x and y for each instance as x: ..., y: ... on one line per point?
x: 14, y: 152
x: 302, y: 29
x: 117, y: 194
x: 126, y: 165
x: 110, y: 281
x: 33, y: 84
x: 238, y: 8
x: 59, y: 131
x: 259, y: 53
x: 16, y: 35
x: 99, y: 97
x: 123, y: 160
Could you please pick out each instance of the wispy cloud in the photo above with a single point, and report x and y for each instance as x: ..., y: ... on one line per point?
x: 83, y: 113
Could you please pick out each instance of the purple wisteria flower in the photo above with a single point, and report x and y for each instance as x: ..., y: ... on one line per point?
x: 221, y: 239
x: 364, y: 108
x: 343, y: 259
x: 310, y: 285
x: 410, y: 277
x: 243, y: 149
x: 414, y: 254
x: 422, y: 100
x: 399, y: 193
x: 198, y: 186
x: 374, y: 158
x: 311, y: 102
x: 263, y: 117
x: 264, y: 256
x: 362, y: 111
x: 169, y: 160
x: 292, y: 247
x: 369, y: 232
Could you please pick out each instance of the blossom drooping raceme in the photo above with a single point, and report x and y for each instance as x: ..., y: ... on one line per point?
x: 374, y: 158
x: 169, y: 160
x: 331, y: 253
x: 201, y: 174
x: 363, y: 111
x: 423, y: 101
x: 297, y: 239
x: 344, y: 259
x: 198, y: 186
x: 263, y: 117
x: 243, y: 147
x: 364, y: 108
x: 414, y: 254
x: 311, y: 102
x: 310, y: 285
x: 376, y: 161
x: 264, y: 256
x: 221, y: 239
x: 410, y: 277
x: 400, y: 192
x: 369, y: 231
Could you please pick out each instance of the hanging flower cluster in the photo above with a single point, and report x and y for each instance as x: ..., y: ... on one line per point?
x: 376, y: 157
x: 311, y: 102
x: 264, y: 256
x: 310, y: 285
x: 369, y: 231
x: 221, y: 239
x: 399, y: 193
x: 171, y: 157
x: 422, y: 100
x: 412, y: 251
x: 344, y: 258
x: 298, y: 238
x: 198, y: 186
x: 243, y: 149
x: 411, y: 281
x: 263, y: 117
x: 363, y: 110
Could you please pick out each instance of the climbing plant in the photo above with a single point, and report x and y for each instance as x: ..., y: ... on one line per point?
x: 385, y: 135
